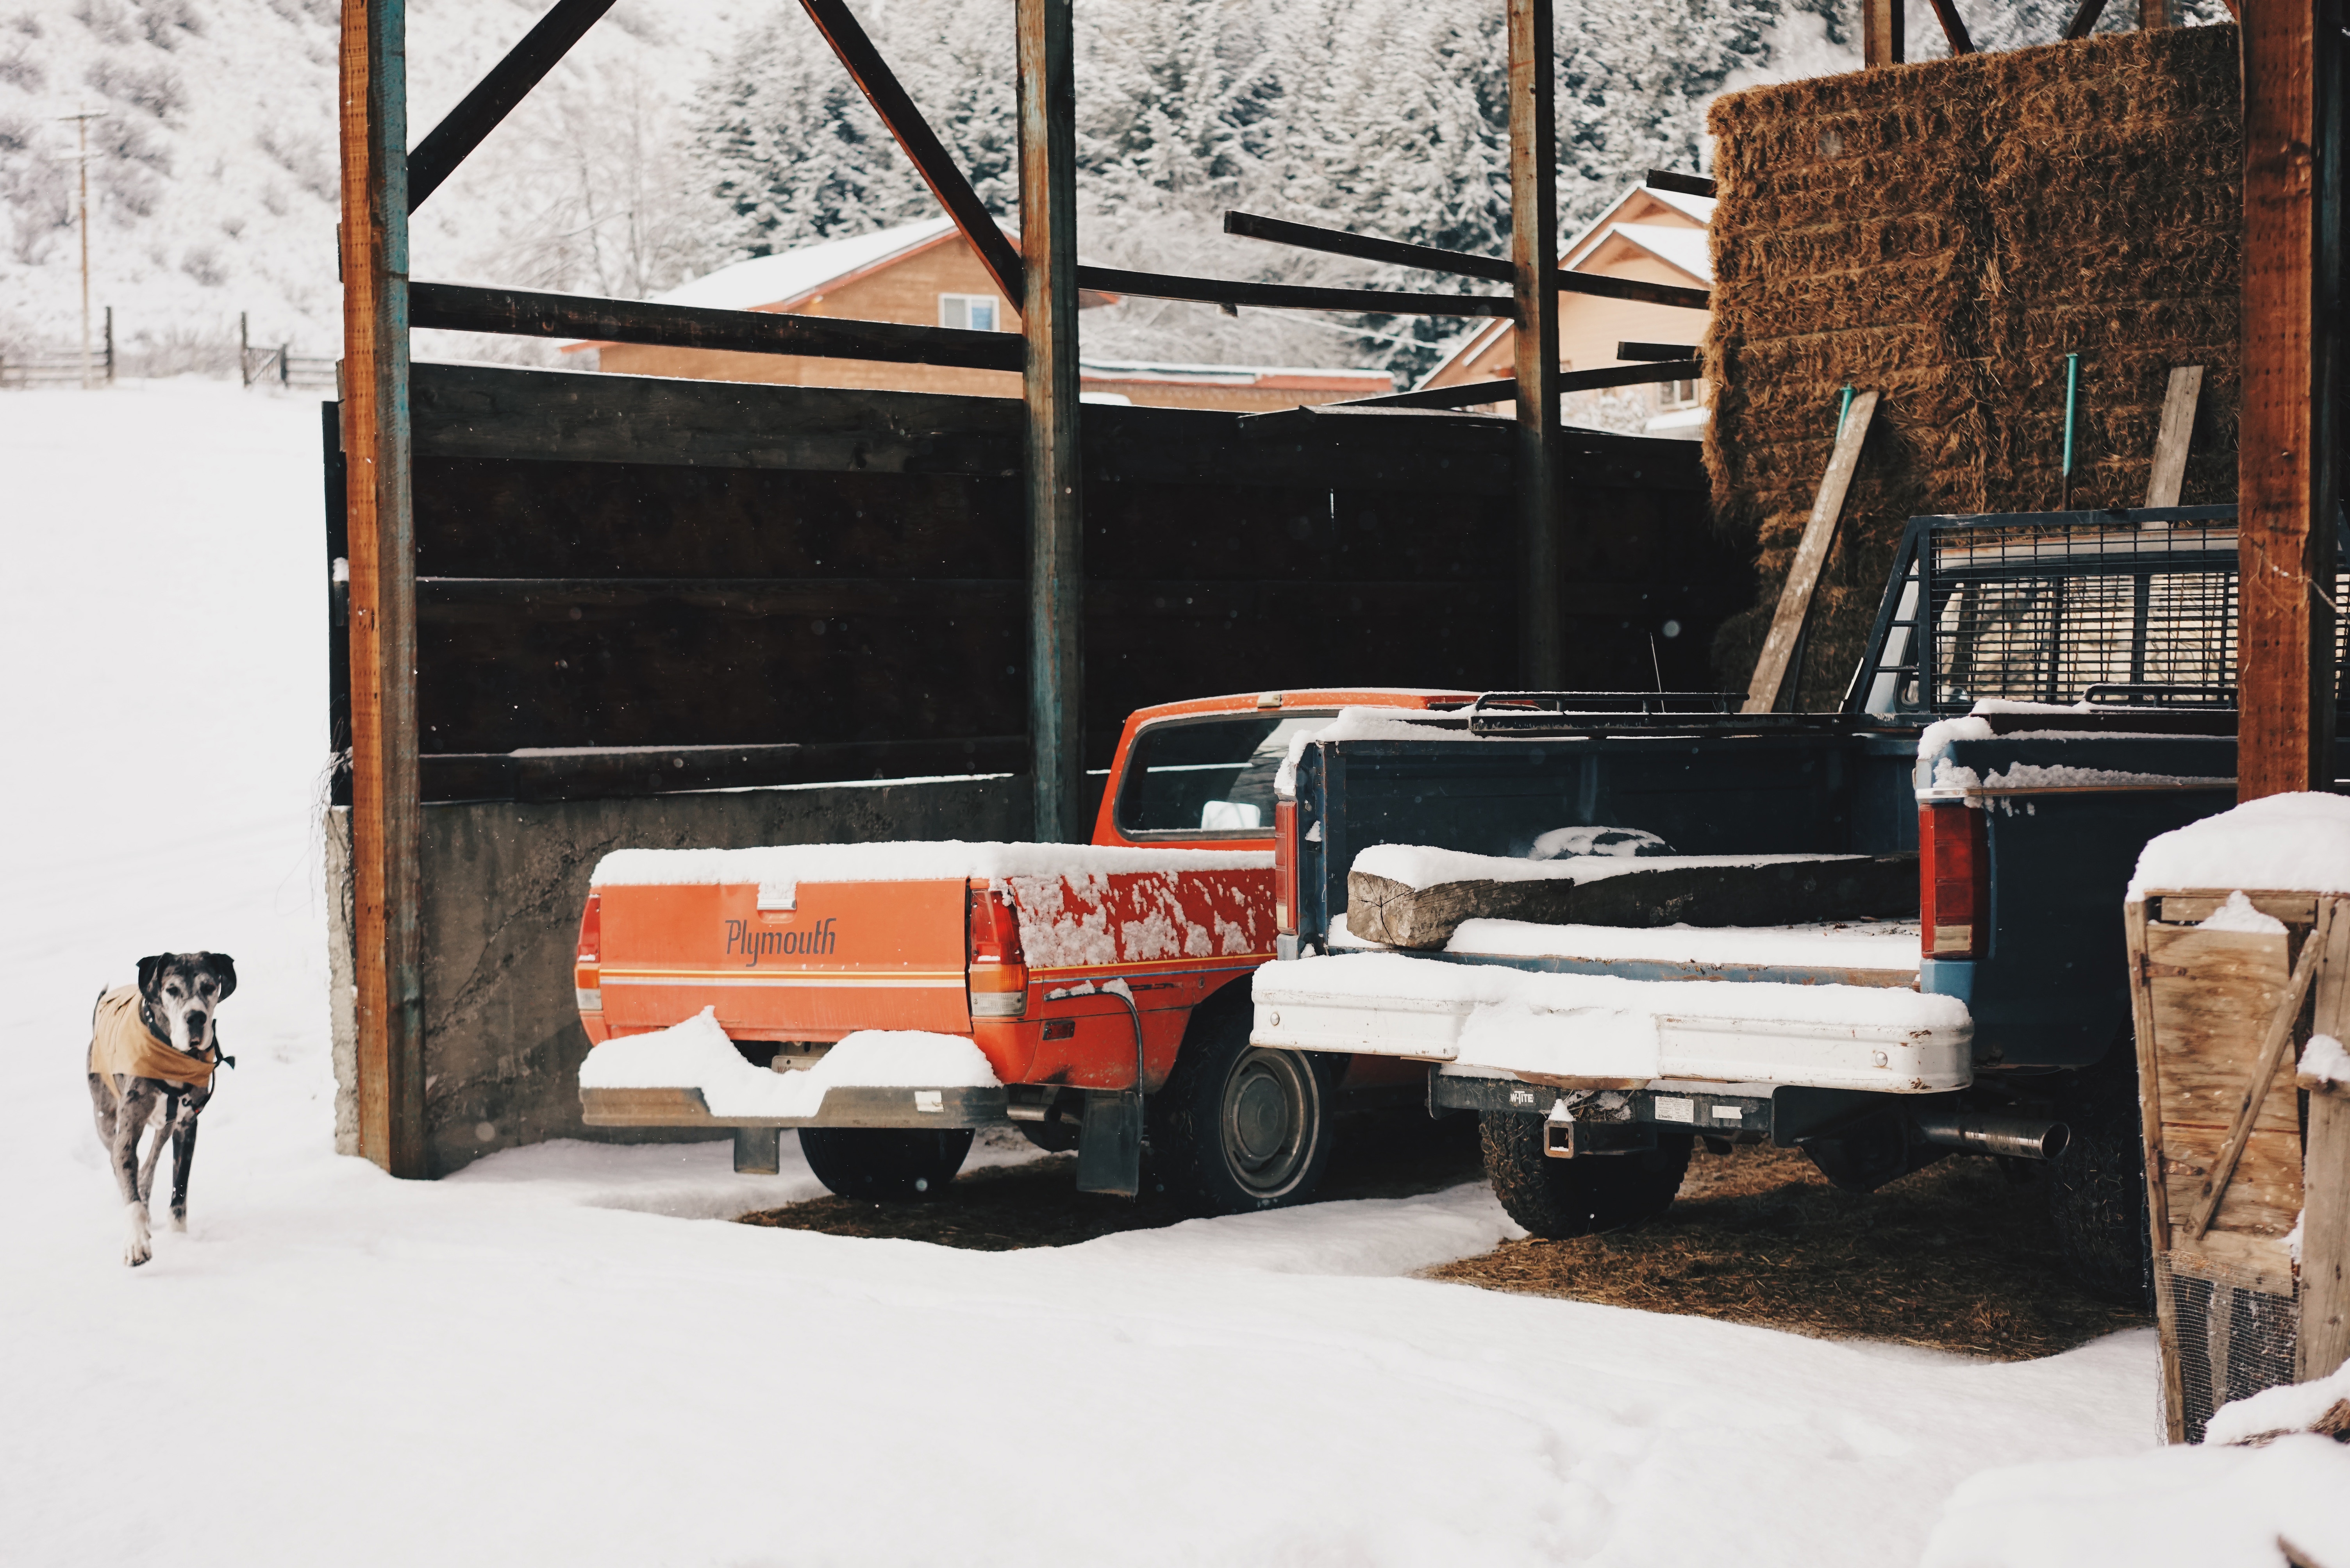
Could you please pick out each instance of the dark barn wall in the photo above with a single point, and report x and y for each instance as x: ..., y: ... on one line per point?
x: 837, y: 579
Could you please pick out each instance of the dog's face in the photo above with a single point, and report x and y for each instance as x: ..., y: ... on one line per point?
x: 184, y: 991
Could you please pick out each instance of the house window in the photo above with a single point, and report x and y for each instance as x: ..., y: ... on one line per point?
x: 975, y: 311
x: 1677, y: 394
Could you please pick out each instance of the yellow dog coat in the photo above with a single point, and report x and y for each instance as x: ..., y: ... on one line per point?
x: 121, y: 1042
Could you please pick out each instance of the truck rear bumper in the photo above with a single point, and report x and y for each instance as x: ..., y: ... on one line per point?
x: 1879, y: 1058
x: 842, y: 1106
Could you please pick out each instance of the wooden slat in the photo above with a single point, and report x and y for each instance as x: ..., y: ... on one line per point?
x: 1881, y: 33
x: 386, y: 825
x: 1533, y: 258
x: 479, y: 112
x: 2287, y: 427
x: 2176, y: 433
x: 1762, y: 693
x: 2146, y: 1039
x: 1954, y: 28
x: 1470, y: 392
x: 1055, y: 478
x: 1369, y: 247
x: 921, y: 144
x: 1673, y: 179
x: 1601, y: 287
x: 2084, y: 18
x: 2325, y: 1341
x: 1290, y: 296
x: 522, y: 313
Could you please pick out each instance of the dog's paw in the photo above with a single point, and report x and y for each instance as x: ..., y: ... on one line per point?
x: 180, y: 1221
x: 139, y: 1248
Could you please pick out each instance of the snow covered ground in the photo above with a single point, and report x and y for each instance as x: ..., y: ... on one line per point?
x: 562, y: 1355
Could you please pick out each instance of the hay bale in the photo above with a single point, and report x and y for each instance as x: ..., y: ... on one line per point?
x: 1945, y: 232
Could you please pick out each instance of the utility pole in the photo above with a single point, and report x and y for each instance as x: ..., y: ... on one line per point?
x: 81, y: 131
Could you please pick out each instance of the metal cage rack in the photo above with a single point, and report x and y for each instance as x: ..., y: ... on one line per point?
x: 2129, y: 607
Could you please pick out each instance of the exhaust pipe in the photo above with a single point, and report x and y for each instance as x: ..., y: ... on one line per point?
x: 2018, y: 1138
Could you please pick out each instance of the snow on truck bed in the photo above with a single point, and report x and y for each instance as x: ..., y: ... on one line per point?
x: 910, y: 860
x: 697, y: 1055
x: 1514, y: 1015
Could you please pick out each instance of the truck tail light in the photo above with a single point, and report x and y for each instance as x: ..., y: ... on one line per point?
x: 585, y: 977
x: 999, y: 967
x: 1954, y: 880
x: 1285, y: 867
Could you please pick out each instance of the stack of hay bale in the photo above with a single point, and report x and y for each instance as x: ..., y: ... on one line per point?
x: 1945, y: 232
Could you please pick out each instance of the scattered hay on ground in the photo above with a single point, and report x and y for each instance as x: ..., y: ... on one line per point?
x: 1959, y: 1257
x: 1037, y: 1204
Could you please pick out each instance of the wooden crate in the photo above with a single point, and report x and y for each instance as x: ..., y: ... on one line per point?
x: 2223, y: 1119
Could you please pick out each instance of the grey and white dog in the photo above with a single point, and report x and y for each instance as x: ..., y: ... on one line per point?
x: 162, y: 1040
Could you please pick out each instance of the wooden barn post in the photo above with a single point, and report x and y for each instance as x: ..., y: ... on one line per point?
x: 1048, y: 318
x: 386, y: 819
x: 1883, y: 33
x: 2286, y: 480
x: 1534, y: 261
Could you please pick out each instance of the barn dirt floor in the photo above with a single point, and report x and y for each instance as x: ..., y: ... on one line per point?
x: 1959, y: 1257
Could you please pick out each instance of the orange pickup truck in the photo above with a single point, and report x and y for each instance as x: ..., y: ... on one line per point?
x: 1102, y: 985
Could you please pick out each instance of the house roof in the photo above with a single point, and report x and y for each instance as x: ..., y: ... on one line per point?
x: 776, y: 281
x: 1684, y: 250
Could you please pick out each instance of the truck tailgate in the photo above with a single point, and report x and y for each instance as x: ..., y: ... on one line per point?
x: 815, y: 962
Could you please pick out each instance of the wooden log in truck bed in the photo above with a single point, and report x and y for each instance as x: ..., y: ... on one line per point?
x: 1776, y: 893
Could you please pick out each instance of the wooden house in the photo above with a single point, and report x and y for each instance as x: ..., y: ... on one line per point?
x: 927, y: 273
x: 1654, y: 236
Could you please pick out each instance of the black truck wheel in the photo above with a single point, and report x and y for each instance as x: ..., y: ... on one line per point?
x: 1237, y: 1129
x: 883, y: 1162
x: 2096, y: 1188
x: 1560, y: 1198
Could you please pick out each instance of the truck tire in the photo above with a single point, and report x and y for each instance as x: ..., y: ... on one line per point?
x: 2097, y: 1187
x: 1238, y: 1128
x: 1560, y: 1198
x: 884, y: 1163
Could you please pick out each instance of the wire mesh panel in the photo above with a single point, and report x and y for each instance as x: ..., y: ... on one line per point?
x: 2233, y: 1339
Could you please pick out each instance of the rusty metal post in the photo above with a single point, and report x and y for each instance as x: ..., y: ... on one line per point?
x: 1048, y: 318
x: 386, y: 818
x: 2287, y: 486
x: 1533, y: 260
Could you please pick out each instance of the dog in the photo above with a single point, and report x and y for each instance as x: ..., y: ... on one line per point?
x: 154, y: 1048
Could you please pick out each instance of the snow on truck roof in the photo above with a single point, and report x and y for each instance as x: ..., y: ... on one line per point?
x: 941, y: 860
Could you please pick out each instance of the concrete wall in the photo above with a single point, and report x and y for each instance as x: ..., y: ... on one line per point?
x: 504, y: 886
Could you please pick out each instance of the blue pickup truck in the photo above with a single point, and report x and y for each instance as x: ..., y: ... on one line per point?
x: 1563, y: 902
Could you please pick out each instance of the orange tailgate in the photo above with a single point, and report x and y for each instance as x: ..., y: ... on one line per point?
x: 845, y: 956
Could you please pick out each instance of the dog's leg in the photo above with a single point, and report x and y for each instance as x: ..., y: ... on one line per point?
x: 102, y: 1107
x: 130, y: 1120
x: 166, y: 1113
x: 183, y: 1154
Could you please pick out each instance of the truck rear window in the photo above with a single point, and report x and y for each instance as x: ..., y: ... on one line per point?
x: 1207, y: 775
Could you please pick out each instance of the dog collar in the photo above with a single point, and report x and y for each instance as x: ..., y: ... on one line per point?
x: 147, y: 1016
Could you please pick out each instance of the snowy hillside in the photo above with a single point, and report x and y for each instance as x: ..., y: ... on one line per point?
x: 685, y: 133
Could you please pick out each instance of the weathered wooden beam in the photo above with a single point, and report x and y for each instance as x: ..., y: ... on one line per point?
x: 930, y: 157
x: 2154, y: 13
x: 1288, y: 296
x: 1533, y: 259
x: 620, y: 773
x: 1653, y: 352
x: 386, y: 826
x: 478, y: 113
x: 1468, y: 393
x: 2275, y: 1052
x: 2289, y: 427
x: 1677, y: 183
x: 2323, y: 1341
x: 2169, y: 475
x: 2084, y: 17
x: 1762, y: 693
x: 1954, y: 26
x: 1338, y: 242
x: 522, y: 313
x: 1881, y: 33
x: 1048, y: 239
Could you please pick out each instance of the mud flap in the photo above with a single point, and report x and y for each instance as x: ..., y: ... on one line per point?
x: 758, y: 1151
x: 1109, y: 1143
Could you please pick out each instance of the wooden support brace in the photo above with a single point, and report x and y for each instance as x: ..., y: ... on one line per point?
x: 1954, y: 26
x: 2323, y: 1341
x: 2170, y: 442
x: 1465, y: 393
x: 1811, y: 558
x: 2084, y: 17
x: 464, y: 127
x: 1882, y: 33
x: 2274, y: 1045
x: 1533, y: 260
